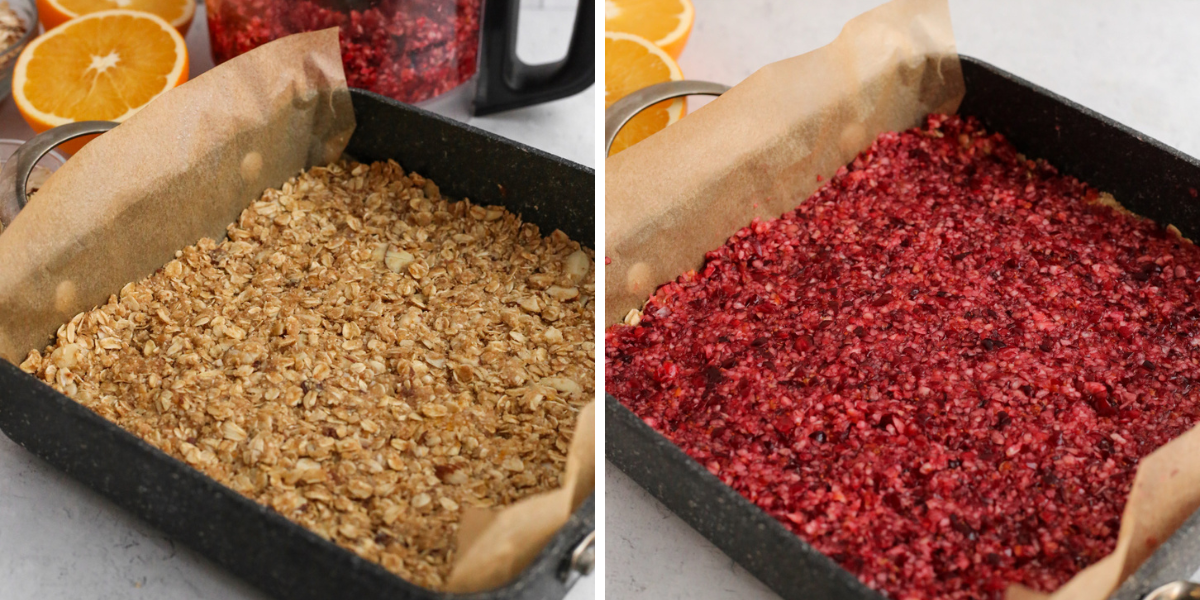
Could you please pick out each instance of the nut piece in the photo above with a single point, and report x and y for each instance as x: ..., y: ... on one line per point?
x: 563, y: 294
x: 633, y: 318
x: 360, y: 489
x: 531, y: 304
x: 398, y: 260
x: 67, y: 356
x: 434, y: 411
x: 576, y: 267
x: 379, y: 253
x: 540, y: 281
x: 562, y: 384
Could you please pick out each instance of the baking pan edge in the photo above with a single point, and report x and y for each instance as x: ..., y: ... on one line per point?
x: 252, y: 541
x: 1076, y: 140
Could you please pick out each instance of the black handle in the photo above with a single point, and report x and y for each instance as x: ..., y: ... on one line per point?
x: 505, y: 82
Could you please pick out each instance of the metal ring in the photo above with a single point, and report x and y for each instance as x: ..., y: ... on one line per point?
x: 582, y: 562
x: 1176, y: 590
x: 14, y: 177
x: 628, y: 107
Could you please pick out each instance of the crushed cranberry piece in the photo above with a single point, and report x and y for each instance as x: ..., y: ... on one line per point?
x: 410, y: 50
x: 946, y: 443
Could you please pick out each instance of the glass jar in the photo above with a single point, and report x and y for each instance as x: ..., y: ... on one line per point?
x: 414, y: 51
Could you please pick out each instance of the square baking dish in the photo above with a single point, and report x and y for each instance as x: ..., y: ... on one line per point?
x: 253, y: 541
x: 1146, y: 176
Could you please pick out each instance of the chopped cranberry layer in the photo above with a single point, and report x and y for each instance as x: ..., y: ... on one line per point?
x: 410, y: 50
x: 940, y: 370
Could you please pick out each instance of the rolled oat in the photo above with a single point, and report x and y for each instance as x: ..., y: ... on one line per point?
x: 356, y: 355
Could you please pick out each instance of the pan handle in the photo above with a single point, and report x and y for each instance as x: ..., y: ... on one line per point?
x: 582, y: 561
x: 1176, y: 590
x: 617, y: 115
x: 14, y: 177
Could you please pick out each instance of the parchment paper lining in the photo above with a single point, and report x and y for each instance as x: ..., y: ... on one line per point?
x: 184, y: 168
x: 181, y: 169
x: 757, y: 151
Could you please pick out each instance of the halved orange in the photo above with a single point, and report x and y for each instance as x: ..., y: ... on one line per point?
x: 103, y: 66
x: 630, y: 64
x: 178, y: 13
x: 667, y: 23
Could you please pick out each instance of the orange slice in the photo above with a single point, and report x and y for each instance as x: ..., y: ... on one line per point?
x: 178, y: 13
x: 103, y: 66
x: 667, y: 23
x: 630, y: 64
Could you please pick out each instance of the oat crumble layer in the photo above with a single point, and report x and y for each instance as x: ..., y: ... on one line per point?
x: 940, y: 370
x: 361, y: 354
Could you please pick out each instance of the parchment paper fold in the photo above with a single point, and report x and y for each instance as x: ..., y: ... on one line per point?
x: 182, y: 168
x: 757, y: 150
x: 496, y: 545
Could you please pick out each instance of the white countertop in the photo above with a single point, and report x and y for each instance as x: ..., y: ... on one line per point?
x: 1136, y: 62
x: 60, y: 540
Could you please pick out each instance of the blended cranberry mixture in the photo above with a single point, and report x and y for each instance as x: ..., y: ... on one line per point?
x: 940, y: 370
x: 410, y: 50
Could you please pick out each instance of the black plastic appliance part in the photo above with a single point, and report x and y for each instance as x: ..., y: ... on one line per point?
x: 1146, y: 176
x: 254, y: 542
x: 506, y: 82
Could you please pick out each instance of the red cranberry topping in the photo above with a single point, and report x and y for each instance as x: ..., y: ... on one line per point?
x: 410, y: 50
x: 940, y: 370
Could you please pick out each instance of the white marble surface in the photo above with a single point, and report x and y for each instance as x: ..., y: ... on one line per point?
x: 1136, y: 62
x: 60, y: 540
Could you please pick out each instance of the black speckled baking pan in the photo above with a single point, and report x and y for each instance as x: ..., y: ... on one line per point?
x: 1148, y: 177
x: 251, y: 540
